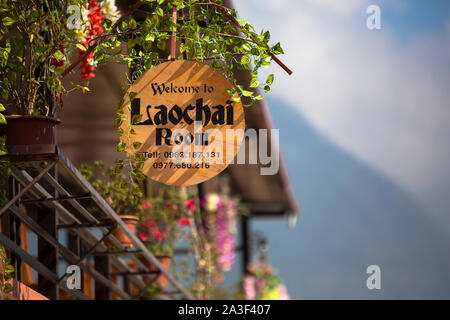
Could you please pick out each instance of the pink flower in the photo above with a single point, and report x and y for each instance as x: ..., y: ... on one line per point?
x: 284, y: 295
x: 146, y: 205
x: 249, y: 288
x: 158, y: 235
x: 143, y: 236
x: 190, y: 205
x: 185, y: 221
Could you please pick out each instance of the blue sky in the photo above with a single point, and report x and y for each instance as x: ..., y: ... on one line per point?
x: 415, y: 16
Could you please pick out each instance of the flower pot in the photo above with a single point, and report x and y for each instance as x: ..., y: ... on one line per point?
x: 29, y: 134
x: 164, y: 260
x: 131, y: 222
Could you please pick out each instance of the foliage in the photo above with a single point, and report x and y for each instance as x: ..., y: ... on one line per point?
x: 35, y: 45
x: 6, y: 271
x: 123, y: 196
x: 164, y: 219
x: 4, y: 161
x: 206, y: 31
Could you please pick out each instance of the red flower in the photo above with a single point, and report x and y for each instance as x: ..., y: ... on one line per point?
x: 143, y: 236
x: 150, y: 223
x: 190, y: 205
x: 158, y: 235
x: 168, y: 204
x: 95, y: 16
x: 55, y: 62
x: 185, y: 221
x: 146, y: 205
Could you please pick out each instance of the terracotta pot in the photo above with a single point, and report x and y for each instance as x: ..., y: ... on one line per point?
x: 23, y: 130
x: 131, y: 222
x: 164, y: 260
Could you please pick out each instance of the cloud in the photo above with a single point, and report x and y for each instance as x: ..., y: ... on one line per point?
x: 384, y: 99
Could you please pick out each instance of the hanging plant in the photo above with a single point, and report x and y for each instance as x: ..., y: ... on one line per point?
x: 203, y: 31
x: 38, y: 41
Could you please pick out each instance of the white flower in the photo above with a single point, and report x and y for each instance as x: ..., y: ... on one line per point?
x: 110, y: 10
x: 212, y: 202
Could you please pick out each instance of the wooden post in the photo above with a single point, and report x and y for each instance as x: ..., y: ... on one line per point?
x: 74, y: 245
x: 14, y: 231
x: 47, y: 254
x: 173, y: 45
x: 102, y: 265
x: 47, y: 218
x: 246, y: 254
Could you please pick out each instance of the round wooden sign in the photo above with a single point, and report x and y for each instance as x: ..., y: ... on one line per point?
x: 184, y: 121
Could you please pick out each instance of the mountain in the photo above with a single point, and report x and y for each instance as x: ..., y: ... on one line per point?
x: 352, y: 217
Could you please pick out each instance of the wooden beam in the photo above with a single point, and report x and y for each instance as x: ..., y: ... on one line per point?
x: 103, y: 266
x: 246, y: 254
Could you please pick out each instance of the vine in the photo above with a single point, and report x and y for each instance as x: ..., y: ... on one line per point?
x: 6, y: 271
x: 205, y: 31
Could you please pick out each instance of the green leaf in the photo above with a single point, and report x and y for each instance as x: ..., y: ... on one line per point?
x: 246, y: 59
x: 140, y: 176
x: 139, y: 156
x: 81, y: 47
x: 269, y: 80
x: 7, y: 21
x: 136, y: 119
x: 161, y: 44
x: 266, y: 88
x: 137, y: 145
x: 230, y: 92
x: 9, y: 269
x: 266, y: 60
x: 2, y: 119
x: 276, y: 49
x: 8, y: 288
x: 254, y: 83
x: 121, y: 146
x: 246, y: 93
x: 150, y: 37
x: 140, y: 165
x: 216, y: 64
x: 2, y: 108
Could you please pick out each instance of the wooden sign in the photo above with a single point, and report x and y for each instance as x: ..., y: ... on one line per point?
x: 189, y: 125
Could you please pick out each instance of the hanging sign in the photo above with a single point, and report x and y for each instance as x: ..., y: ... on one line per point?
x: 184, y: 121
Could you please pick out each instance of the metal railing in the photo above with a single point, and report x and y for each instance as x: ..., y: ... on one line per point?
x: 51, y: 181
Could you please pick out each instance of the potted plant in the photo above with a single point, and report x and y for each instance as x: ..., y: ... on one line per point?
x: 262, y: 283
x: 37, y: 43
x: 123, y: 196
x: 164, y: 218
